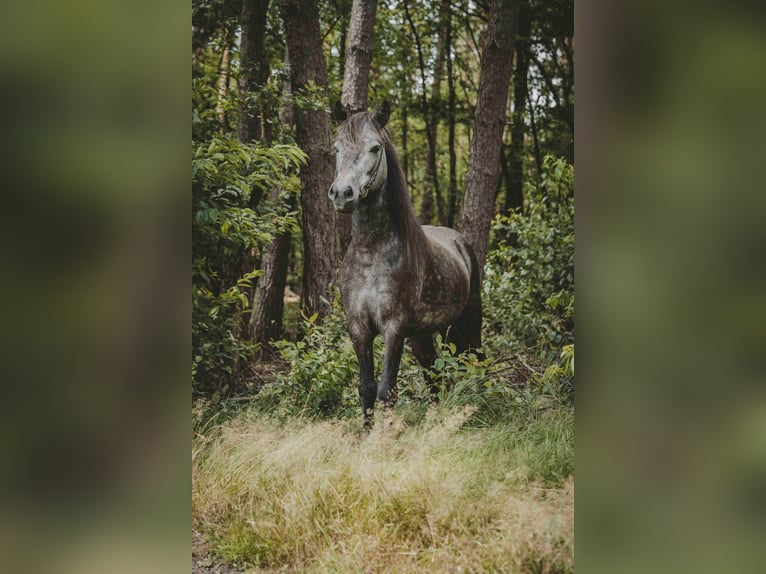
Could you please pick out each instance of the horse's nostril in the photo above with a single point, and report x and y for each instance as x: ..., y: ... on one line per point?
x: 332, y: 193
x: 349, y: 193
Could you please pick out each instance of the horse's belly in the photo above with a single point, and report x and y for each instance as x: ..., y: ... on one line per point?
x: 444, y: 295
x: 440, y: 307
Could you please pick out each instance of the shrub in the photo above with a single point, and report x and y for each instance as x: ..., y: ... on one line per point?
x: 227, y: 235
x: 323, y: 374
x: 528, y: 288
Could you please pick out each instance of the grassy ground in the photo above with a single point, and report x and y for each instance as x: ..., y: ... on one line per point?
x: 435, y: 495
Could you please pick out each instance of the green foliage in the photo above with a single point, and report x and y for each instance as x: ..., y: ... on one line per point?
x: 529, y: 279
x: 324, y: 369
x: 227, y: 229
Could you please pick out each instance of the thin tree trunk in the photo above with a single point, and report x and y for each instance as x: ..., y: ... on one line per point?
x: 484, y: 169
x: 254, y: 72
x: 514, y: 193
x: 452, y: 193
x: 432, y: 181
x: 313, y: 133
x: 434, y: 111
x: 405, y: 154
x: 223, y: 80
x: 535, y: 142
x: 268, y: 296
x: 266, y: 317
x: 357, y: 70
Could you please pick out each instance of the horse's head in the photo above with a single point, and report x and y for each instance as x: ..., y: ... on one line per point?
x: 360, y: 150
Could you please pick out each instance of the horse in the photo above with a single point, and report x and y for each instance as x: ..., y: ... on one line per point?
x: 398, y: 279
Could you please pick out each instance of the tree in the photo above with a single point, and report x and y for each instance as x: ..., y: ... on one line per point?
x: 484, y: 169
x: 514, y: 196
x: 308, y: 76
x: 357, y: 67
x: 268, y: 296
x: 432, y: 177
x: 254, y: 71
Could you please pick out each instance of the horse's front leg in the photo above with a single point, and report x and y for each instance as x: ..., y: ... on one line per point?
x: 394, y: 344
x: 367, y: 386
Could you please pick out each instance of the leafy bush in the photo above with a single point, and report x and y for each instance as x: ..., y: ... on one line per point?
x: 324, y: 370
x: 529, y: 279
x: 228, y: 232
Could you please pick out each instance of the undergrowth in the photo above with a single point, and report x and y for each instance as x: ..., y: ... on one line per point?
x: 436, y: 496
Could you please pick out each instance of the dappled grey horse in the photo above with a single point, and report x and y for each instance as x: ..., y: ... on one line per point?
x: 398, y: 279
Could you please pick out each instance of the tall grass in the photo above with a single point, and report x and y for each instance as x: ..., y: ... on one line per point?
x: 434, y: 496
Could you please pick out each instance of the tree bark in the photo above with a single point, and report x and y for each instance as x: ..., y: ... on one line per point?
x: 514, y: 194
x: 313, y: 133
x: 484, y: 169
x: 223, y: 81
x: 268, y: 299
x: 356, y: 74
x: 431, y: 189
x: 357, y: 69
x: 254, y: 72
x: 452, y: 192
x: 535, y: 141
x: 268, y: 295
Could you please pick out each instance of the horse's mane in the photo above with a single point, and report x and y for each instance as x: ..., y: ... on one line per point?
x: 400, y: 205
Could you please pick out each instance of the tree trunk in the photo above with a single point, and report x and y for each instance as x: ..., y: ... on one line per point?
x: 254, y: 72
x: 268, y: 296
x: 433, y: 112
x: 313, y: 133
x: 452, y: 193
x: 431, y: 189
x: 535, y: 141
x: 357, y: 69
x: 514, y: 194
x: 405, y: 153
x: 356, y: 75
x: 223, y: 81
x: 481, y: 180
x: 268, y: 299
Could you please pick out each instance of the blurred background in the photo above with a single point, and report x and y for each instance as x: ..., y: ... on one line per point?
x: 671, y: 428
x: 94, y: 252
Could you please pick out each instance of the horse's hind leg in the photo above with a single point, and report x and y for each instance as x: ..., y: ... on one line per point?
x: 465, y: 332
x: 394, y: 345
x: 425, y: 353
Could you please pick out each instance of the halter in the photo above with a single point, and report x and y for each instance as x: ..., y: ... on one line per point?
x: 366, y: 187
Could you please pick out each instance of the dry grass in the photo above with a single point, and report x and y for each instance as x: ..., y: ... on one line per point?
x: 434, y: 497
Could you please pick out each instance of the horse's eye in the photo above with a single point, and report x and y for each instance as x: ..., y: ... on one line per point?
x: 375, y: 149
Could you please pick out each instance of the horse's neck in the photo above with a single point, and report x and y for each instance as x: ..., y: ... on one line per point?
x: 381, y: 222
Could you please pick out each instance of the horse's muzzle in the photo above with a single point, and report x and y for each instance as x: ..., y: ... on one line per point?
x: 343, y: 201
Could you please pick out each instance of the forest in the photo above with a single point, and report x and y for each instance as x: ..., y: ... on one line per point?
x: 478, y: 478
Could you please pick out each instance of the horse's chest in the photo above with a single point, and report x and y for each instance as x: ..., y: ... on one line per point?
x: 372, y: 291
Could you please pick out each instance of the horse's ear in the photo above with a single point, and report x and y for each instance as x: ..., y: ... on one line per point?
x: 382, y: 113
x: 339, y: 112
